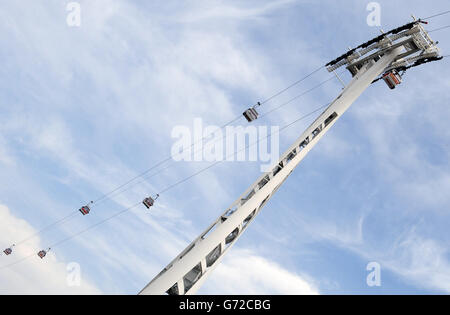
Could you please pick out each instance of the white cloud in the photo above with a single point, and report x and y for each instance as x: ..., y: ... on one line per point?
x: 33, y: 275
x: 245, y: 272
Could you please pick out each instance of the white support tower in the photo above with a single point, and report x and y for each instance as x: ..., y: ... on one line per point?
x: 186, y: 273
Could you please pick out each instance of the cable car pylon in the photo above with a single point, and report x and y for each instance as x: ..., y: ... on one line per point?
x: 85, y: 210
x: 404, y: 46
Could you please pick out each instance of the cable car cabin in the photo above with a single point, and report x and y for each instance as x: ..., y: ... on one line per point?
x: 250, y: 114
x: 85, y: 210
x: 392, y: 79
x: 8, y: 251
x: 148, y: 202
x: 42, y: 254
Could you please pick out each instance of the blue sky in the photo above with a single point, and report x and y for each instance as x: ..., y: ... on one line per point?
x: 84, y: 109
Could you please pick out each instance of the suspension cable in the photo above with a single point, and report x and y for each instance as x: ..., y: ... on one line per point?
x: 246, y: 147
x: 202, y: 139
x: 145, y: 178
x: 436, y: 15
x: 48, y: 227
x: 168, y: 187
x: 116, y: 191
x: 439, y: 29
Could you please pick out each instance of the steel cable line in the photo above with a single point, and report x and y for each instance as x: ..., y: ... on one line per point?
x: 108, y: 194
x: 145, y: 178
x: 436, y: 15
x: 167, y: 188
x: 113, y: 193
x: 439, y: 29
x: 177, y: 183
x: 74, y: 235
x: 292, y: 85
x: 162, y: 162
x: 73, y: 213
x: 95, y: 225
x: 60, y: 221
x: 202, y: 139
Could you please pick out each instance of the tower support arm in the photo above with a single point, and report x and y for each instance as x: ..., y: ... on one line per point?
x: 186, y: 273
